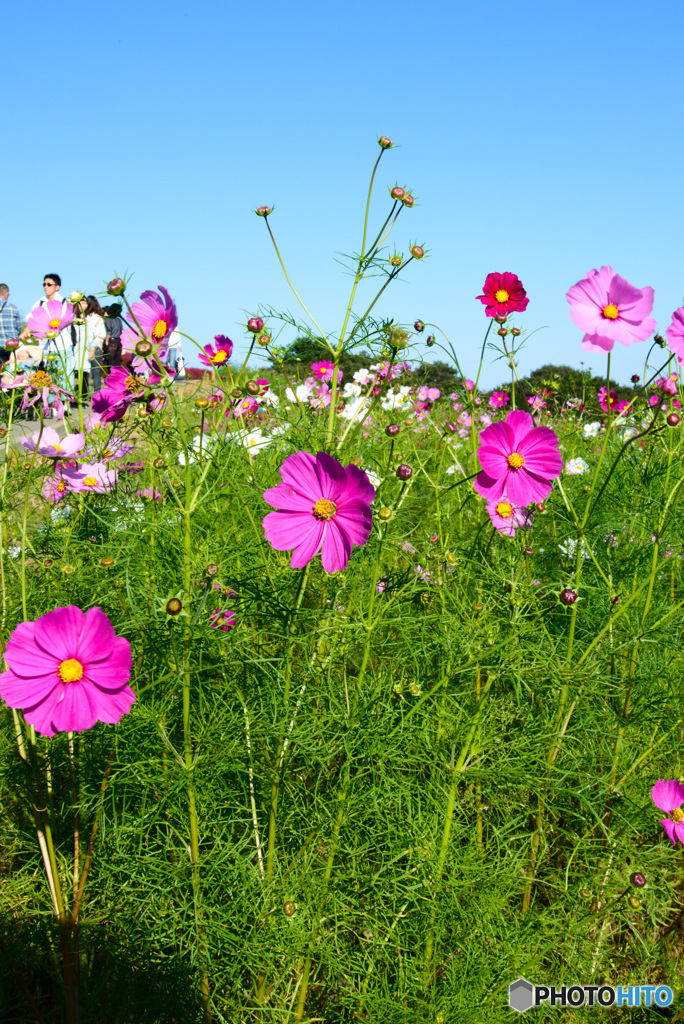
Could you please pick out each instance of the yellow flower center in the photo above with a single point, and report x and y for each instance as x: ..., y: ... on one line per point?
x: 39, y: 379
x: 324, y: 509
x: 70, y: 671
x: 160, y: 329
x: 90, y: 481
x: 502, y: 295
x: 504, y: 509
x: 134, y: 384
x: 54, y: 324
x: 61, y: 486
x: 678, y: 814
x: 611, y: 312
x: 220, y: 356
x: 57, y: 447
x: 515, y: 460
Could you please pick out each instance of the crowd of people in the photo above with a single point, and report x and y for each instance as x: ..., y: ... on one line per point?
x: 84, y: 352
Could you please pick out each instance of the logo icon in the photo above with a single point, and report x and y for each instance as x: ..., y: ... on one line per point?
x: 521, y: 995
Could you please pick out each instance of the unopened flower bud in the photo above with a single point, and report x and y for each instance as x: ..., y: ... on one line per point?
x: 434, y: 538
x: 477, y: 401
x: 404, y: 472
x: 76, y: 297
x: 211, y: 569
x: 541, y: 507
x: 289, y: 908
x: 254, y: 324
x: 174, y: 606
x: 637, y: 879
x: 236, y: 393
x: 450, y: 427
x: 515, y: 331
x: 477, y: 607
x: 116, y: 286
x: 392, y: 429
x: 384, y: 142
x: 201, y: 403
x: 144, y: 347
x: 502, y: 332
x: 12, y: 344
x: 528, y: 551
x: 385, y: 512
x: 263, y: 211
x: 451, y: 558
x: 659, y: 340
x: 673, y: 420
x: 167, y: 423
x: 430, y: 340
x: 634, y: 902
x: 635, y: 378
x: 397, y: 192
x: 568, y: 596
x: 67, y: 570
x: 159, y: 463
x: 106, y: 563
x: 3, y: 432
x: 143, y: 412
x: 615, y: 599
x: 252, y: 388
x: 48, y: 563
x: 417, y: 252
x: 264, y: 339
x: 419, y: 326
x: 408, y: 200
x: 501, y: 319
x: 396, y: 260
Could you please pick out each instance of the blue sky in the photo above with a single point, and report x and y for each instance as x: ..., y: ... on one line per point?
x: 545, y: 139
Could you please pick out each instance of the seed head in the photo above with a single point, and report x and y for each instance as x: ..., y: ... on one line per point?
x: 568, y: 596
x: 174, y: 606
x: 392, y: 429
x: 404, y: 472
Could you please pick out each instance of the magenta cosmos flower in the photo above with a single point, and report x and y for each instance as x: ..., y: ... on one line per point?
x: 668, y: 795
x: 50, y: 319
x: 52, y: 445
x: 122, y: 388
x: 68, y: 670
x: 222, y: 619
x: 321, y: 505
x: 508, y: 518
x: 518, y: 460
x: 325, y: 371
x: 156, y: 319
x: 609, y: 309
x: 219, y: 355
x: 503, y: 294
x: 675, y: 334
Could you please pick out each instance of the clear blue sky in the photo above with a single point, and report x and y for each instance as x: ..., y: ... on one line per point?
x: 542, y: 138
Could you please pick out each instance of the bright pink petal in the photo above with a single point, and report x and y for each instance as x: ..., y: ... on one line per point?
x: 493, y: 461
x: 299, y: 471
x: 283, y: 496
x: 668, y: 795
x: 491, y: 488
x: 96, y: 638
x: 337, y: 547
x: 669, y: 826
x: 59, y: 632
x: 596, y: 343
x: 284, y: 530
x: 522, y: 488
x: 114, y: 672
x: 309, y: 546
x: 356, y: 522
x: 24, y: 657
x: 19, y: 692
x: 520, y: 423
x: 75, y: 711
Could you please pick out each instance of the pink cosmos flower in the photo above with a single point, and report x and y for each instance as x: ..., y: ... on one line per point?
x: 518, y: 460
x: 321, y: 399
x: 535, y: 402
x: 67, y: 671
x: 675, y: 334
x: 55, y: 487
x: 95, y: 478
x: 609, y: 309
x: 324, y: 371
x: 503, y: 294
x: 667, y: 386
x: 321, y: 504
x: 508, y: 518
x: 469, y: 385
x: 150, y: 494
x: 246, y: 406
x: 499, y: 400
x: 39, y: 386
x: 52, y: 445
x: 218, y: 356
x: 121, y: 389
x: 222, y: 619
x: 668, y: 795
x: 50, y: 319
x: 157, y: 320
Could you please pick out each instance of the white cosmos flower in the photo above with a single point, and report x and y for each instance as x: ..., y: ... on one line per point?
x: 373, y: 477
x: 397, y: 400
x: 569, y: 547
x: 355, y: 409
x: 575, y: 467
x: 351, y: 390
x: 363, y: 377
x: 300, y: 394
x: 268, y: 398
x: 591, y: 429
x: 255, y: 440
x: 627, y: 432
x: 199, y: 449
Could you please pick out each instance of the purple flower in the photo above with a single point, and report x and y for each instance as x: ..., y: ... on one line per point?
x: 52, y: 445
x: 122, y: 388
x: 222, y: 619
x: 610, y: 309
x: 97, y: 478
x: 218, y: 356
x: 39, y: 386
x: 668, y: 795
x: 156, y: 320
x: 48, y: 320
x: 321, y: 505
x: 675, y: 334
x: 508, y: 518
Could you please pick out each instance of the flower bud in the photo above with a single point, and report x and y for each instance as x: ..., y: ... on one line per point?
x: 67, y: 570
x: 673, y: 420
x: 116, y: 286
x: 48, y: 563
x: 430, y: 340
x: 637, y: 879
x: 477, y: 607
x: 500, y: 319
x: 289, y: 908
x: 144, y: 411
x: 434, y: 538
x: 396, y: 260
x: 450, y: 427
x: 477, y: 401
x: 404, y: 472
x: 201, y: 403
x: 417, y: 252
x: 659, y: 340
x: 515, y: 331
x: 3, y: 432
x: 254, y: 324
x: 263, y: 211
x: 384, y: 142
x: 106, y: 563
x: 635, y: 378
x: 615, y: 599
x: 211, y: 569
x: 76, y: 297
x: 385, y: 512
x: 397, y: 192
x: 541, y: 507
x: 502, y: 332
x: 264, y: 339
x: 159, y: 463
x: 568, y: 596
x: 144, y: 347
x: 167, y: 423
x: 408, y: 200
x: 634, y: 902
x: 419, y: 326
x: 236, y: 393
x: 528, y: 551
x: 252, y: 388
x: 174, y: 606
x: 12, y: 344
x: 392, y: 429
x: 451, y: 558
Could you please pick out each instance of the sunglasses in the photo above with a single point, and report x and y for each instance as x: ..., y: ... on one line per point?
x: 49, y: 284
